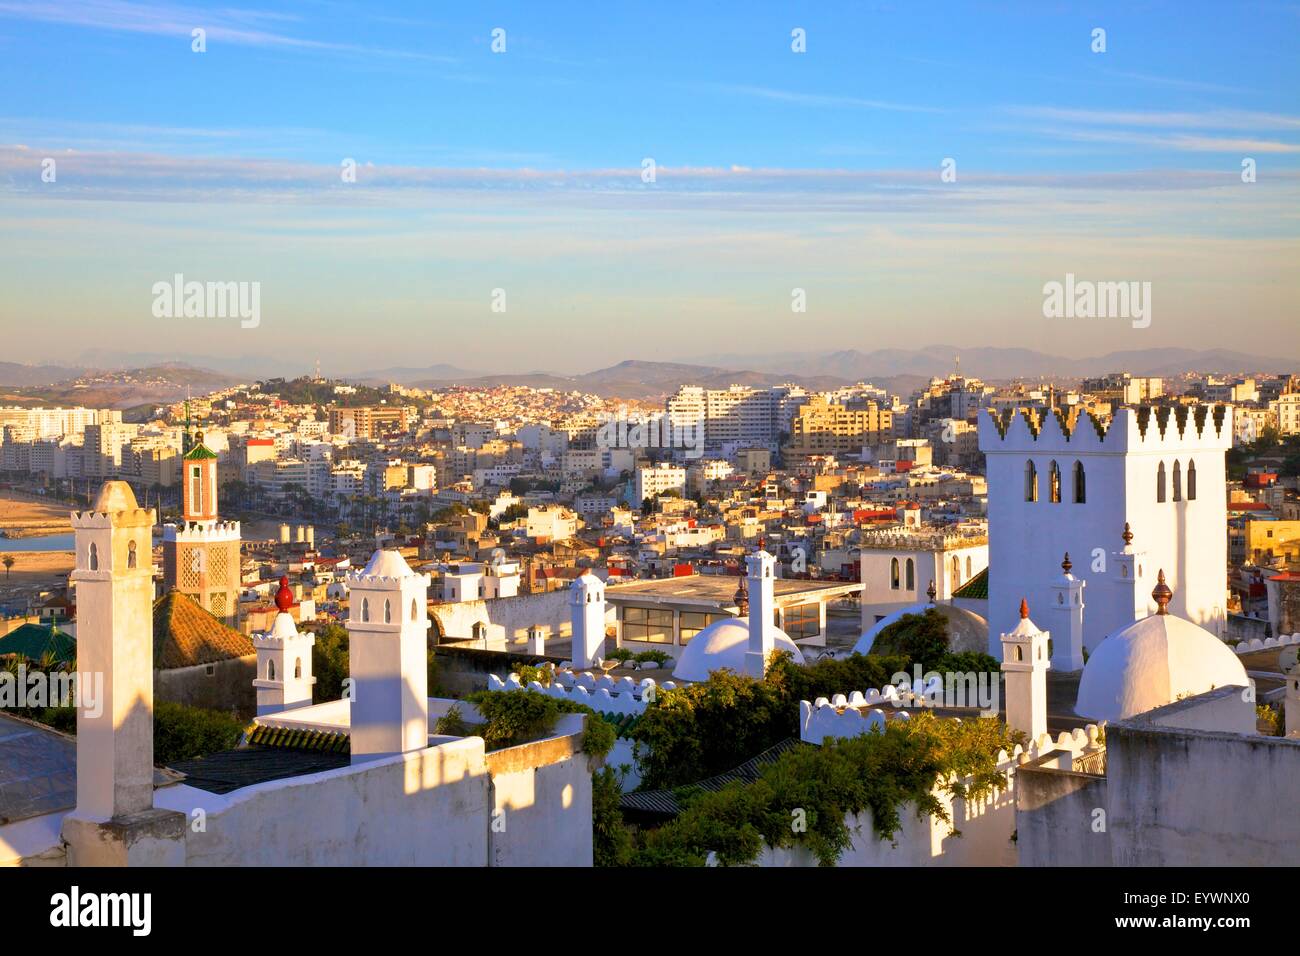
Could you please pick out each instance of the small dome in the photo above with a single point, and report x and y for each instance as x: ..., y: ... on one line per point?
x: 115, y: 496
x: 724, y: 643
x: 1153, y: 662
x: 387, y: 564
x: 967, y: 631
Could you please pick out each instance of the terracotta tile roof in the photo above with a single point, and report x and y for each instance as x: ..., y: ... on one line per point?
x: 184, y: 634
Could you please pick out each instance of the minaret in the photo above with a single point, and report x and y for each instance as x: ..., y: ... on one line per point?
x: 1067, y: 650
x: 114, y: 588
x: 1025, y: 665
x: 1129, y: 568
x: 388, y: 657
x: 201, y: 554
x: 284, y: 679
x: 761, y: 586
x: 587, y: 615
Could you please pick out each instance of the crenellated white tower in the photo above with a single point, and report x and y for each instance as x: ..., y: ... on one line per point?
x: 761, y: 584
x: 114, y: 587
x: 1025, y: 665
x: 1059, y: 482
x: 284, y: 679
x: 388, y: 654
x: 587, y: 615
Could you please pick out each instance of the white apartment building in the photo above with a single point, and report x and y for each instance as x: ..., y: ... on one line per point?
x: 652, y: 481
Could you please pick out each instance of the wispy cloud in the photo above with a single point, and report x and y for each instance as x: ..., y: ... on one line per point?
x: 236, y: 26
x: 821, y: 99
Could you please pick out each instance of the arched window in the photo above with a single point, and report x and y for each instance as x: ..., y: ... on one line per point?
x: 911, y: 575
x: 968, y: 567
x: 1160, y: 482
x: 956, y: 571
x: 297, y: 668
x: 365, y: 609
x: 415, y: 610
x: 270, y: 670
x: 388, y: 611
x: 1178, y: 481
x: 130, y: 554
x: 893, y: 574
x: 1191, y: 480
x: 94, y: 556
x: 1080, y: 486
x: 1054, y: 483
x: 1031, y: 482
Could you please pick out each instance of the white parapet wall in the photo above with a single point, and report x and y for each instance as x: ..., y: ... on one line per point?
x: 1246, y: 647
x: 602, y: 694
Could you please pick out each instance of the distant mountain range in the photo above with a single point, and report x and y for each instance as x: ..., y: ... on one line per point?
x: 897, y: 370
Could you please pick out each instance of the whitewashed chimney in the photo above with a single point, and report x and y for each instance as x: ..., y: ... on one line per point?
x: 587, y: 615
x: 1025, y: 664
x: 761, y: 581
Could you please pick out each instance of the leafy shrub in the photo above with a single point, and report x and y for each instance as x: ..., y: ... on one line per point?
x: 452, y: 724
x: 612, y: 842
x: 528, y: 673
x: 619, y: 654
x: 518, y: 716
x: 877, y: 772
x: 921, y: 638
x: 329, y: 663
x: 187, y: 733
x: 657, y: 657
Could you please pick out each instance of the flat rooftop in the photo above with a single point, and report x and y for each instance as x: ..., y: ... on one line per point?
x: 719, y: 591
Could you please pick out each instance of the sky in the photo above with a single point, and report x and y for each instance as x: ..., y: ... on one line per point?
x: 563, y: 186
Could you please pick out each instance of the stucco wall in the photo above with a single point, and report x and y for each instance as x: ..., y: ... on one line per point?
x: 1197, y: 798
x: 515, y: 614
x: 985, y: 828
x: 426, y: 808
x: 1056, y: 819
x: 228, y: 688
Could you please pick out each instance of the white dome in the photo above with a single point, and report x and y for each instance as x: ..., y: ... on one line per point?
x: 967, y: 631
x: 724, y: 644
x: 1153, y: 662
x: 387, y: 564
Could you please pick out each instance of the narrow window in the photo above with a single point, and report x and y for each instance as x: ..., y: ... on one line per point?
x: 270, y: 670
x: 94, y: 557
x: 893, y: 573
x: 911, y: 575
x: 1054, y: 483
x: 388, y: 611
x: 1080, y: 485
x: 1160, y: 482
x: 956, y: 571
x: 1191, y: 481
x: 130, y: 554
x: 1178, y: 481
x: 365, y: 609
x: 968, y: 566
x: 1031, y: 482
x: 415, y: 610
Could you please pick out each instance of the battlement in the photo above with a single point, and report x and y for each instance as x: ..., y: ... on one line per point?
x: 98, y: 520
x: 201, y: 532
x: 1143, y: 428
x: 913, y: 539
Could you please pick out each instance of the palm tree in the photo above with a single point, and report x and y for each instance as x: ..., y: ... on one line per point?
x: 8, y: 562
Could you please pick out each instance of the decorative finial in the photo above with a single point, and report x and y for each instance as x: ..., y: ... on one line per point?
x: 198, y: 437
x: 1162, y: 594
x: 931, y: 592
x: 1066, y: 564
x: 762, y: 542
x: 741, y: 597
x: 1024, y: 609
x: 1127, y: 535
x: 284, y: 597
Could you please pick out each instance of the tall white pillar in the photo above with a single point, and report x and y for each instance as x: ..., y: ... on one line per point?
x: 1130, y: 566
x: 388, y: 650
x: 1025, y: 664
x: 587, y: 615
x: 114, y: 588
x: 761, y: 581
x: 1067, y: 648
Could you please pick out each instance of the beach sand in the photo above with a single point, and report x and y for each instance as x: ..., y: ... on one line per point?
x: 26, y: 516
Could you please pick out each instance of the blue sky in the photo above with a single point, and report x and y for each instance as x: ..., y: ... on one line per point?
x: 521, y: 170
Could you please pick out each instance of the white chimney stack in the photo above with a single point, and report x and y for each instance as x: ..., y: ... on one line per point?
x: 1025, y: 664
x: 587, y: 614
x: 761, y: 582
x: 388, y: 628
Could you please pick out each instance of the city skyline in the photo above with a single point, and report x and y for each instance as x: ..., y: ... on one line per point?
x: 522, y: 171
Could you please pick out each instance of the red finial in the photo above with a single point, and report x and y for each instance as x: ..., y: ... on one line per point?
x: 284, y: 597
x: 1024, y: 609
